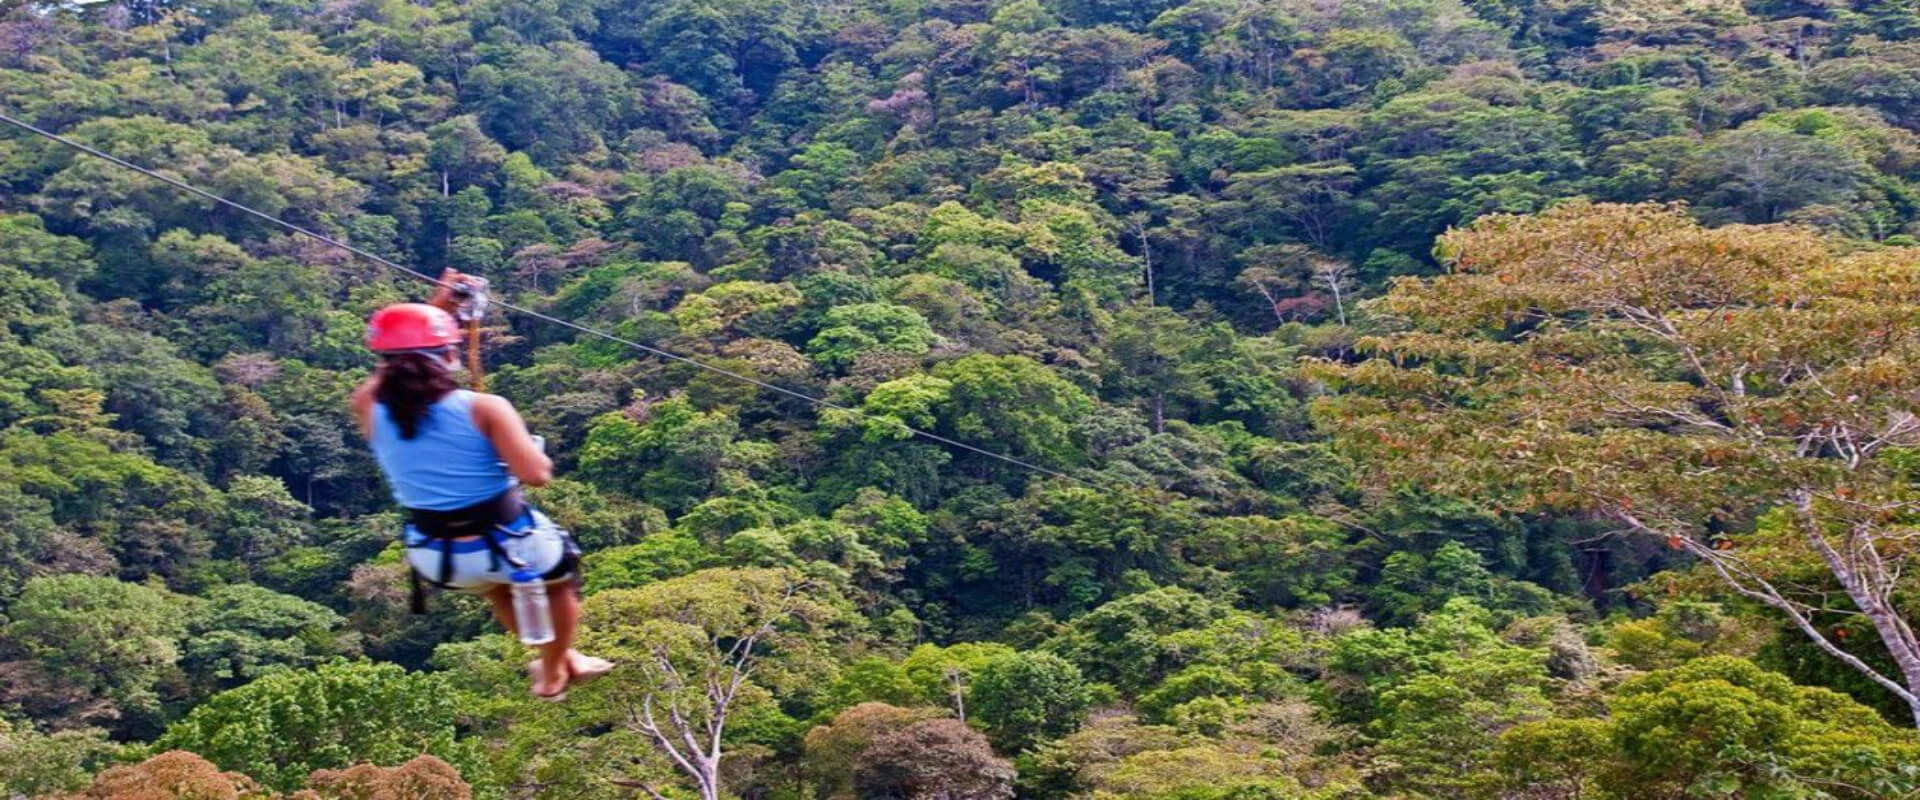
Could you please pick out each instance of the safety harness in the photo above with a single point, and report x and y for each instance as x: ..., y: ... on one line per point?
x: 488, y: 521
x: 491, y: 525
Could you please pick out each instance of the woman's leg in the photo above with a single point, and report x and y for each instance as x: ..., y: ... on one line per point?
x: 556, y: 657
x: 500, y: 597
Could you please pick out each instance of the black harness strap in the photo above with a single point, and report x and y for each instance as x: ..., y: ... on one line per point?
x: 484, y: 519
x: 416, y: 594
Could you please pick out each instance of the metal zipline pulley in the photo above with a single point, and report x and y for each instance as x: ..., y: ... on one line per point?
x: 471, y: 291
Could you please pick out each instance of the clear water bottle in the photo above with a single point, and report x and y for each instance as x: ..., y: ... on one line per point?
x: 530, y: 612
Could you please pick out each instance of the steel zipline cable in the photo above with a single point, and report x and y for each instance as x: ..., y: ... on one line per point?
x: 591, y: 331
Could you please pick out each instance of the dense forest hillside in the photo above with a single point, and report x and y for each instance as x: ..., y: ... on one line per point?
x: 1413, y: 398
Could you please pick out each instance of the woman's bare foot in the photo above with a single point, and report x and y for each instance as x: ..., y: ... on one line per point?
x: 581, y: 668
x: 585, y: 668
x: 546, y: 687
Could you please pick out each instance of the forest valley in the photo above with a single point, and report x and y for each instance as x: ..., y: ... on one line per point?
x: 1460, y: 398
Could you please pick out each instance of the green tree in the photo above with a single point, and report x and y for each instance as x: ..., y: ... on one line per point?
x: 1760, y: 172
x: 714, y: 48
x: 818, y: 172
x: 35, y: 382
x: 870, y: 680
x: 1570, y: 757
x: 1297, y: 561
x: 263, y: 519
x: 658, y: 557
x: 105, y: 199
x: 1731, y: 711
x: 462, y: 153
x: 676, y: 211
x: 29, y: 537
x: 150, y: 388
x: 1027, y: 698
x: 1014, y: 401
x: 847, y: 332
x: 1131, y: 641
x: 672, y: 459
x: 597, y: 519
x: 944, y: 675
x: 32, y: 250
x: 238, y: 633
x: 1436, y: 726
x: 1717, y: 724
x: 148, y: 519
x: 1160, y: 359
x: 96, y: 650
x: 555, y: 101
x: 736, y: 303
x: 286, y: 724
x: 1311, y: 202
x: 36, y: 764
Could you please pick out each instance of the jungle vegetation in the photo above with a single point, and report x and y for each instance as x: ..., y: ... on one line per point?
x: 1455, y: 398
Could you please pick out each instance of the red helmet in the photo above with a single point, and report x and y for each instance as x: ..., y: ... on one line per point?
x: 411, y: 326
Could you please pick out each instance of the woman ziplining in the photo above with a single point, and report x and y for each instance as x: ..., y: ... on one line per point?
x: 455, y: 460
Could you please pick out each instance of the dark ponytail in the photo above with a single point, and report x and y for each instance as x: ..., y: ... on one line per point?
x: 410, y: 383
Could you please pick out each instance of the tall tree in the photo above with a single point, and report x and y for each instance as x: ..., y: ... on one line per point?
x: 1160, y: 359
x: 1028, y: 698
x: 703, y: 649
x: 1688, y: 384
x: 935, y: 759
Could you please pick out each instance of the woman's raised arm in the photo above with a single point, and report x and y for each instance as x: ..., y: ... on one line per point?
x: 502, y: 424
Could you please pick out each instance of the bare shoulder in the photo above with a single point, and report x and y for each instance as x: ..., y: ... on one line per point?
x: 489, y: 408
x: 361, y: 403
x: 491, y: 403
x: 363, y: 394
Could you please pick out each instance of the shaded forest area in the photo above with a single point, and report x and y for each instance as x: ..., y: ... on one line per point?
x: 1462, y: 396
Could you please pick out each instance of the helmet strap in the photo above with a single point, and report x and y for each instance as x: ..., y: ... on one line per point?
x: 446, y: 356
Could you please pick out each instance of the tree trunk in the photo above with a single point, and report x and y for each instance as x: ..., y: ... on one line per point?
x: 1339, y: 304
x: 959, y: 694
x: 1860, y: 572
x: 1870, y: 590
x: 1146, y: 257
x: 1273, y: 304
x: 1862, y: 575
x: 710, y: 778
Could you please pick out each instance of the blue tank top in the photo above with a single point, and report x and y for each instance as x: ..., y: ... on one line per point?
x: 448, y: 463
